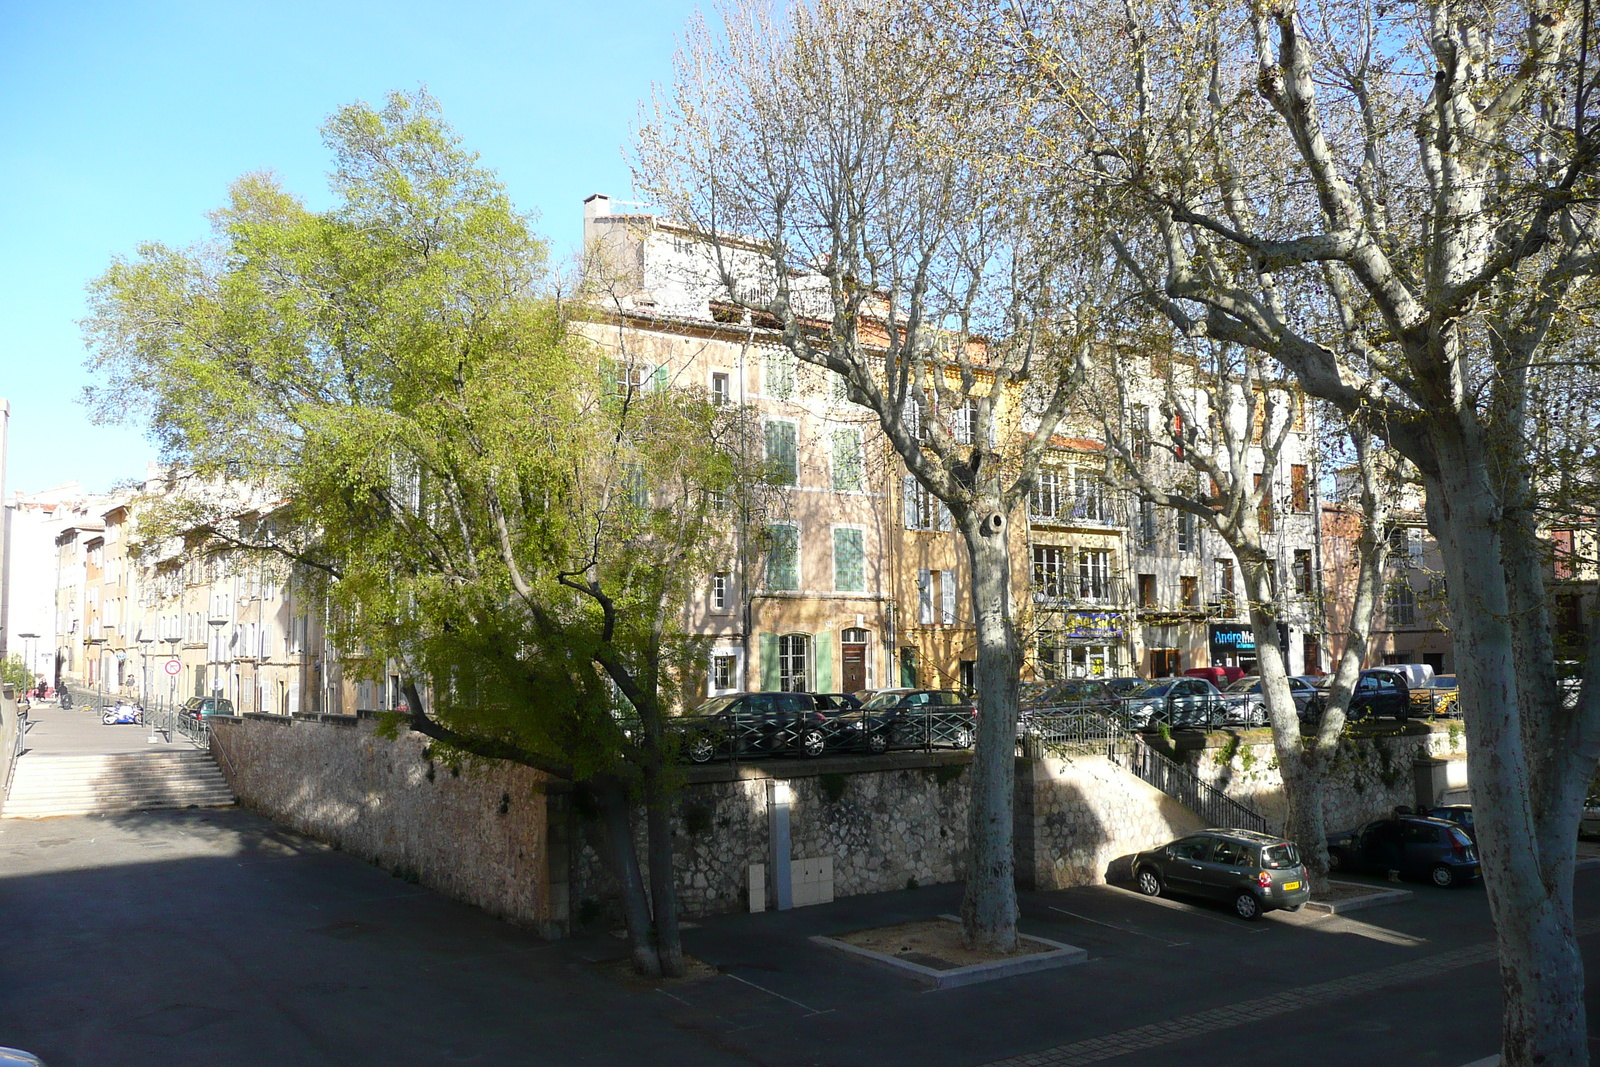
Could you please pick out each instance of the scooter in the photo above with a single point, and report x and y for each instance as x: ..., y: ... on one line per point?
x: 122, y: 714
x: 66, y: 699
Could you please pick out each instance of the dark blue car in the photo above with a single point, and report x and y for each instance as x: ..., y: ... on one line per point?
x: 1414, y: 845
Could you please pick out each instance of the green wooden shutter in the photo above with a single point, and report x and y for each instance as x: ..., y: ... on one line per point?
x: 768, y: 646
x: 822, y: 646
x: 659, y: 378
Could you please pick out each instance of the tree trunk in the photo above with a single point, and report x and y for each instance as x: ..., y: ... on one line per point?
x: 989, y: 908
x: 1302, y: 773
x: 663, y: 886
x: 616, y: 813
x: 1540, y: 968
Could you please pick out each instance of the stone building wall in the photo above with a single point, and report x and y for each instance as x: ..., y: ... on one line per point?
x: 1372, y: 774
x: 478, y: 835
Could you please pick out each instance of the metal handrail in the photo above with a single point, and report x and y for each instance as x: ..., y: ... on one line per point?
x: 1084, y: 730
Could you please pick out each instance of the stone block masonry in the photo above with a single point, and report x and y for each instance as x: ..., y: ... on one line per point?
x: 479, y: 835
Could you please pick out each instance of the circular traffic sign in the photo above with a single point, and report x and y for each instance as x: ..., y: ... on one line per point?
x: 172, y: 666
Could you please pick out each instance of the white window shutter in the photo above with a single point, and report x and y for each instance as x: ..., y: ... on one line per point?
x: 947, y: 596
x: 909, y: 499
x: 925, y: 597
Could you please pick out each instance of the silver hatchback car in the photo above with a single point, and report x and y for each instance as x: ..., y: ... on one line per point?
x: 1254, y: 872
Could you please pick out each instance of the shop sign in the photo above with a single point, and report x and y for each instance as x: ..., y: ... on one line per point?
x: 1091, y: 625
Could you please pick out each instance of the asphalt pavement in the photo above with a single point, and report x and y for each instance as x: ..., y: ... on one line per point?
x: 216, y: 937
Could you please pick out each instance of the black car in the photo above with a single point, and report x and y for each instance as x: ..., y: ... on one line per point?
x: 1379, y: 693
x: 1074, y: 693
x: 204, y: 707
x: 915, y: 718
x: 1414, y: 845
x: 831, y: 702
x: 1255, y: 872
x: 760, y: 724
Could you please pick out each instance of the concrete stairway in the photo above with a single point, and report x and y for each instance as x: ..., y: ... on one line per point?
x: 91, y: 784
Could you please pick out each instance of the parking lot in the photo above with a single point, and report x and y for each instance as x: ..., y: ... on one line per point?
x: 216, y: 937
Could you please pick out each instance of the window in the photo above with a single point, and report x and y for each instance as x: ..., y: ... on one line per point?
x: 964, y: 423
x: 1094, y: 574
x: 1188, y: 535
x: 1563, y: 546
x: 1302, y: 571
x: 1299, y: 487
x: 783, y: 557
x: 1400, y: 604
x: 1165, y: 663
x: 1045, y: 501
x: 1147, y: 590
x: 848, y: 572
x: 722, y: 671
x: 925, y: 597
x: 1089, y: 498
x: 1311, y: 654
x: 847, y: 461
x: 783, y: 460
x: 719, y: 590
x: 1225, y: 600
x: 1404, y: 549
x: 1139, y: 431
x: 1189, y: 591
x: 923, y: 511
x: 779, y: 374
x: 721, y: 390
x: 793, y: 662
x: 947, y: 597
x: 631, y: 377
x: 1049, y: 570
x: 1145, y: 526
x: 636, y: 485
x: 1264, y: 510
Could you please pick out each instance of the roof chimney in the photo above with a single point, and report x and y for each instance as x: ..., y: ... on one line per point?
x: 595, y: 205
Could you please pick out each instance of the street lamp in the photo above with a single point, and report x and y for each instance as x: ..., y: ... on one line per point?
x: 217, y: 622
x: 28, y: 658
x: 146, y: 641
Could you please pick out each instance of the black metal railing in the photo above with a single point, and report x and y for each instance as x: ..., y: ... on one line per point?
x: 1068, y: 731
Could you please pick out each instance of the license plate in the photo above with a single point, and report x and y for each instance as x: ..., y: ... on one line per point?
x: 1290, y: 885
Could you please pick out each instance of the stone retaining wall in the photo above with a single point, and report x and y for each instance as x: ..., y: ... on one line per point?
x: 478, y: 836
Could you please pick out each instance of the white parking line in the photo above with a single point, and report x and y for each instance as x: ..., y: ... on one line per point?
x: 1237, y: 925
x: 1117, y: 926
x: 780, y: 996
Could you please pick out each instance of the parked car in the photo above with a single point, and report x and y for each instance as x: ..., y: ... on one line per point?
x: 204, y: 707
x: 759, y: 724
x: 915, y: 718
x: 1121, y: 687
x: 1217, y: 676
x: 1302, y: 691
x: 1379, y: 692
x: 828, y: 702
x: 1440, y: 696
x: 1256, y: 872
x: 1460, y: 814
x: 1067, y: 697
x: 1415, y: 845
x: 1188, y: 703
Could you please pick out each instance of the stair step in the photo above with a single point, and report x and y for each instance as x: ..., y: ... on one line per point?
x: 94, y: 783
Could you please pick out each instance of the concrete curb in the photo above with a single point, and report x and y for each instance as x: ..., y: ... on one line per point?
x: 1368, y: 900
x: 1058, y: 955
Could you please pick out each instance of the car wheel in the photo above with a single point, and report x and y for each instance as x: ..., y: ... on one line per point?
x: 877, y: 743
x: 1443, y: 876
x: 1258, y: 715
x: 1246, y: 906
x: 963, y: 737
x: 1149, y: 884
x: 701, y: 750
x: 812, y: 743
x: 1335, y: 860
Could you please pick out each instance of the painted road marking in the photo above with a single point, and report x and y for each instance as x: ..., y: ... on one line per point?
x: 1117, y: 926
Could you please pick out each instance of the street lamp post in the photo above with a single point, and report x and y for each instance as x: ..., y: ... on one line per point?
x: 145, y: 641
x: 217, y: 622
x: 28, y: 658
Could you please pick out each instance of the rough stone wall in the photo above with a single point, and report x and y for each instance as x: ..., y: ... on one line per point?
x: 884, y: 827
x: 1080, y: 819
x: 478, y: 836
x: 1370, y: 776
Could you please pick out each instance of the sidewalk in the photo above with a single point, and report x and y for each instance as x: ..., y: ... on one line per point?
x: 77, y: 731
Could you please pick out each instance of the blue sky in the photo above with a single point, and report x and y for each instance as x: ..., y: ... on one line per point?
x: 125, y: 122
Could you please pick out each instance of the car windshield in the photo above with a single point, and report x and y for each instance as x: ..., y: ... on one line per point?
x: 886, y: 700
x: 1444, y: 681
x: 714, y: 706
x: 1151, y: 689
x: 1245, y: 685
x: 1278, y: 857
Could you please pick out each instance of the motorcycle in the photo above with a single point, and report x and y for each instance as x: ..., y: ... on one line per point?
x: 122, y: 714
x: 66, y: 699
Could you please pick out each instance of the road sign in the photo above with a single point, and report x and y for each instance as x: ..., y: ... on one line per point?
x: 173, y: 666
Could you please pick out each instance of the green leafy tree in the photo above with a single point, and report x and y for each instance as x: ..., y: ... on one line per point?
x: 479, y: 499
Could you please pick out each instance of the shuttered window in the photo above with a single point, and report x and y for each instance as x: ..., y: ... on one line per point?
x: 782, y: 458
x: 848, y: 561
x: 847, y: 461
x: 783, y: 557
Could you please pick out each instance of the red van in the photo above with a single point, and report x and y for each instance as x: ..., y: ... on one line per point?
x: 1217, y: 676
